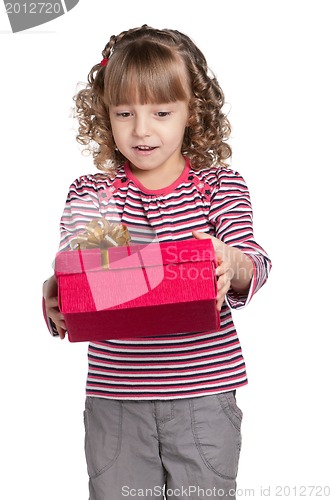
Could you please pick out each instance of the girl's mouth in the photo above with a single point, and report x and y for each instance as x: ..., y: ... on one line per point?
x: 145, y: 148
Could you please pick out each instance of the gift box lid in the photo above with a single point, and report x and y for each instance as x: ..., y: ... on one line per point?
x: 133, y: 256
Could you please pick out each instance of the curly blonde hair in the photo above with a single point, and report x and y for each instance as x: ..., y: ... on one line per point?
x: 146, y: 65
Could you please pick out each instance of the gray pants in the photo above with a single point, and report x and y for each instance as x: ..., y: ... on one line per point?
x: 183, y: 448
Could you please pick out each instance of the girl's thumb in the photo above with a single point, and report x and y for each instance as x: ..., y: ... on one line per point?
x: 200, y: 235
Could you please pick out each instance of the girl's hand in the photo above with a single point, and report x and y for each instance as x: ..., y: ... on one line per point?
x: 224, y: 270
x: 50, y: 292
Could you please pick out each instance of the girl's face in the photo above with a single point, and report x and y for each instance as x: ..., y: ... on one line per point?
x: 150, y: 136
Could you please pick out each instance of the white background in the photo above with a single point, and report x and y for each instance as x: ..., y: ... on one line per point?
x: 273, y: 60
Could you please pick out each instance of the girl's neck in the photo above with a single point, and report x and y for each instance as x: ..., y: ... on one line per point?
x: 157, y: 182
x: 154, y: 180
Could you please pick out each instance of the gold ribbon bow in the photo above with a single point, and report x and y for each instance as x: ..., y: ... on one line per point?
x: 102, y: 234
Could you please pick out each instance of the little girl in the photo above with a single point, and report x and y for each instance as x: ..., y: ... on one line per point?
x: 161, y: 416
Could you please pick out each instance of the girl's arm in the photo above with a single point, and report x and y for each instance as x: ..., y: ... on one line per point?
x: 243, y: 264
x: 82, y: 206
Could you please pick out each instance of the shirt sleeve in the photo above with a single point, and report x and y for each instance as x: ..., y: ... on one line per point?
x: 231, y: 214
x: 82, y: 206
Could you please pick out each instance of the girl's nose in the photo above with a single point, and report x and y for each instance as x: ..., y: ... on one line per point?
x: 141, y: 126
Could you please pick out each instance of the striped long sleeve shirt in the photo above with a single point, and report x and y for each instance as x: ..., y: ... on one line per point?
x: 214, y: 200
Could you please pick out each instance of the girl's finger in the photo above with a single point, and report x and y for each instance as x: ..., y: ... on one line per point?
x: 61, y: 332
x: 60, y: 323
x: 52, y: 302
x: 55, y: 315
x: 220, y: 303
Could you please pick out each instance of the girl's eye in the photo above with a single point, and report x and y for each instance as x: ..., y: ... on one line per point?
x: 163, y: 114
x: 123, y: 115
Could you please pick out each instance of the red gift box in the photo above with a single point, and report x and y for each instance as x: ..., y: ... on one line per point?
x: 146, y: 290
